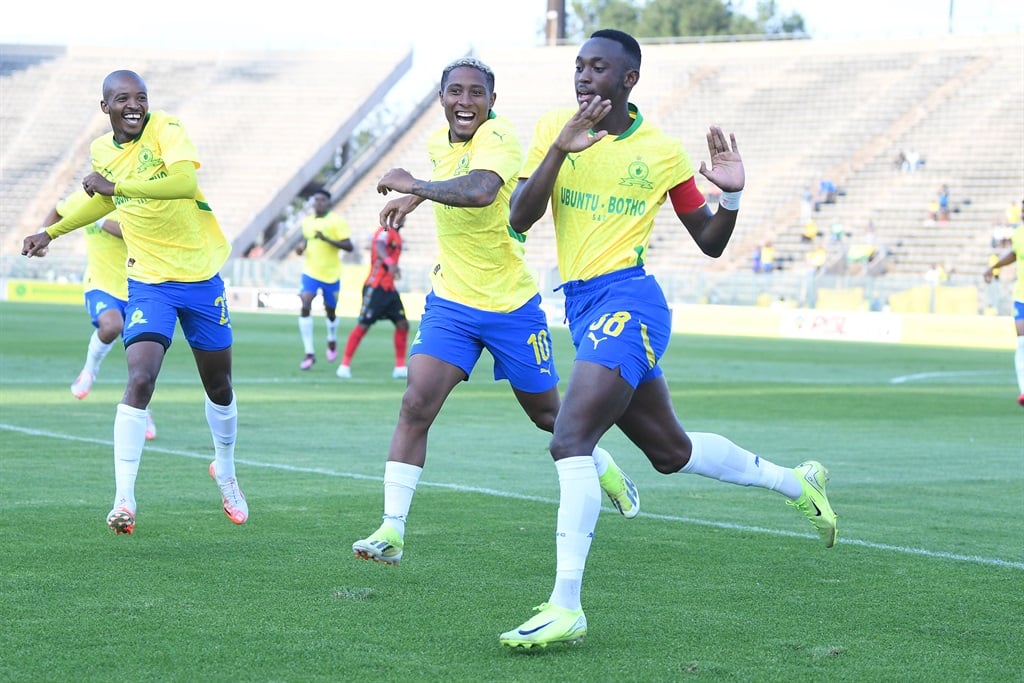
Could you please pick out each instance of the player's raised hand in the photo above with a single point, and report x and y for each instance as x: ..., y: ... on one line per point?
x: 394, y: 212
x: 397, y: 180
x: 726, y: 163
x: 578, y: 133
x: 95, y: 183
x: 36, y: 245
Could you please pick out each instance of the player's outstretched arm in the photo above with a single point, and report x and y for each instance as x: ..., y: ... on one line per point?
x: 36, y: 245
x: 726, y: 163
x: 712, y: 231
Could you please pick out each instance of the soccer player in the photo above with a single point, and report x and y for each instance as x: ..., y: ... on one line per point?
x: 483, y: 296
x: 1015, y: 254
x: 324, y: 234
x: 146, y: 167
x: 106, y: 291
x: 381, y: 300
x: 605, y: 171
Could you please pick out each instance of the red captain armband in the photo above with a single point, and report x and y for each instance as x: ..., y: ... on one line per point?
x: 686, y: 197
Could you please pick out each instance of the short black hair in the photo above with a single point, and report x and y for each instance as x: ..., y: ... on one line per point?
x: 473, y: 63
x: 627, y: 42
x: 322, y: 191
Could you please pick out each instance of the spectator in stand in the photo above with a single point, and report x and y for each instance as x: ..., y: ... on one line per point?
x: 912, y: 161
x: 1012, y: 215
x: 767, y: 258
x: 838, y: 230
x: 827, y: 192
x: 943, y: 202
x: 814, y: 264
x: 806, y: 206
x: 936, y: 275
x: 1014, y: 255
x: 810, y: 232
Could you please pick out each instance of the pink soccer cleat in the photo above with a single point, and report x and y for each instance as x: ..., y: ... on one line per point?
x: 234, y: 503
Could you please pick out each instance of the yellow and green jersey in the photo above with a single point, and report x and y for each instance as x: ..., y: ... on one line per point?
x: 177, y: 240
x: 1017, y: 240
x: 482, y: 262
x: 322, y: 257
x: 605, y: 198
x: 105, y: 254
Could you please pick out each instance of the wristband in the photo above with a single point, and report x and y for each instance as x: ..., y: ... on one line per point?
x: 730, y: 200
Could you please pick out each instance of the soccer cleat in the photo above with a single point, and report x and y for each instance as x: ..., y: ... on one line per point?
x: 344, y: 372
x: 383, y: 545
x: 82, y: 384
x: 621, y: 490
x: 812, y: 502
x: 234, y: 503
x: 150, y: 427
x: 1020, y: 400
x: 307, y: 362
x: 121, y: 520
x: 400, y: 372
x: 551, y: 624
x: 332, y: 351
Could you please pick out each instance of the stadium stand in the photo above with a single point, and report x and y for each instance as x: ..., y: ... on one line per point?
x: 259, y: 119
x: 802, y: 110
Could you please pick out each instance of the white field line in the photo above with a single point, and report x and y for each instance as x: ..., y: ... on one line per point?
x: 937, y: 554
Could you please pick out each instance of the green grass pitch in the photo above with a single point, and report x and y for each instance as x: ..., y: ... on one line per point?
x: 711, y: 582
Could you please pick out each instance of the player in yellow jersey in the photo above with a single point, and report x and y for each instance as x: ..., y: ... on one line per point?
x: 605, y: 171
x: 146, y: 169
x: 105, y: 288
x: 483, y: 296
x: 324, y: 234
x: 1015, y: 254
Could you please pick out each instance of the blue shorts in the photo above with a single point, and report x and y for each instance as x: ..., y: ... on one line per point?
x: 97, y: 301
x: 519, y: 341
x: 1018, y: 310
x: 329, y: 290
x: 620, y: 320
x: 200, y: 307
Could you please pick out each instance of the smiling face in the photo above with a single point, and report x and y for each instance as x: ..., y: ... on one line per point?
x: 467, y: 99
x: 126, y: 102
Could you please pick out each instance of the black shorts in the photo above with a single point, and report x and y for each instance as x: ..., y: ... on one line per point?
x: 379, y: 304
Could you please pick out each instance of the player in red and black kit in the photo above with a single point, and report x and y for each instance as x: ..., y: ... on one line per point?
x: 381, y: 300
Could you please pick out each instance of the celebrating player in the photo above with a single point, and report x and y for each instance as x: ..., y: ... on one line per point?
x: 618, y: 317
x: 146, y: 167
x: 483, y: 296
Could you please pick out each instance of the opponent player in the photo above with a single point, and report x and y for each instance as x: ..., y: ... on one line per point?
x: 483, y: 296
x: 1015, y: 254
x: 106, y: 291
x: 381, y: 300
x: 146, y: 167
x: 324, y: 234
x: 618, y: 317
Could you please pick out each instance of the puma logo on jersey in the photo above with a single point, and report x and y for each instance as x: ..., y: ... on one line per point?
x: 593, y: 338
